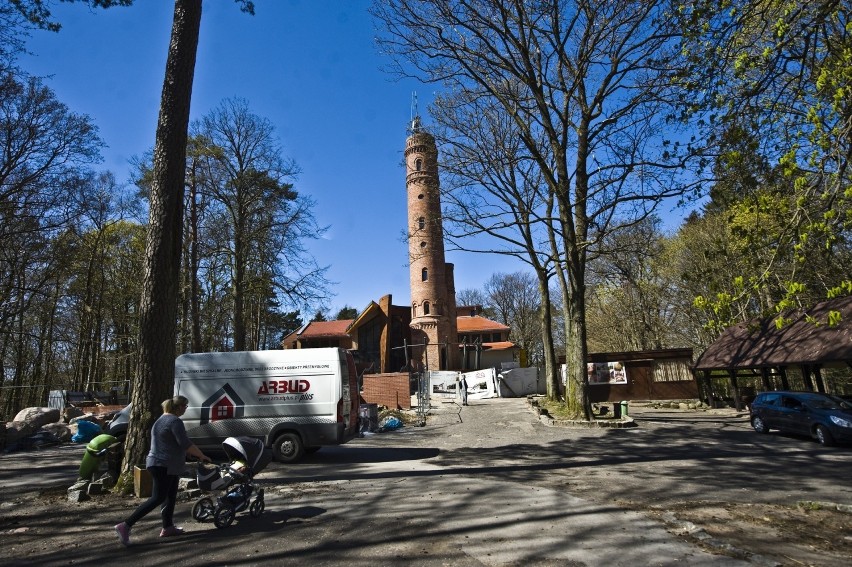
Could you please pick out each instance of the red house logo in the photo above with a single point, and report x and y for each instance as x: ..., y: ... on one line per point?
x: 223, y: 404
x: 222, y: 409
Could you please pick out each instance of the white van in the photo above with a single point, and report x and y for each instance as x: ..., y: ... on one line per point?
x: 294, y: 400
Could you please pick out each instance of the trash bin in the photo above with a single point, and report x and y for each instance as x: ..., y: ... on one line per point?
x: 96, y: 452
x: 624, y: 408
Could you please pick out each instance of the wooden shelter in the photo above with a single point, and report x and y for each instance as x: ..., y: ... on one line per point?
x: 639, y: 375
x: 765, y: 351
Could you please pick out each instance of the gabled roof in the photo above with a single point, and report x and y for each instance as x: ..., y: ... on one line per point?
x: 325, y: 329
x: 369, y: 312
x: 478, y: 324
x: 761, y: 343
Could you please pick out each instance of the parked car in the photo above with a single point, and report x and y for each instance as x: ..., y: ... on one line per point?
x: 826, y: 418
x: 117, y: 426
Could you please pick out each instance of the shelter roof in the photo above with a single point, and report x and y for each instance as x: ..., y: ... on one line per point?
x: 808, y: 339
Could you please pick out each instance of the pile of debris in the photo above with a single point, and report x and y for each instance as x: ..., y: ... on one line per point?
x: 87, y: 487
x: 37, y: 427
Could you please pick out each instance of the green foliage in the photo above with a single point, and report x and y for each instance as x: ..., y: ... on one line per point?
x: 346, y: 312
x: 834, y: 318
x: 844, y: 288
x: 779, y: 76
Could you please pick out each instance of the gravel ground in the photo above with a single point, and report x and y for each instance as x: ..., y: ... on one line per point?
x: 486, y: 484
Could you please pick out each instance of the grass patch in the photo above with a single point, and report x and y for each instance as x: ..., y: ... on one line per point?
x: 557, y: 410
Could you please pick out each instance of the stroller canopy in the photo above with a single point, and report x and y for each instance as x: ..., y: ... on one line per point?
x: 249, y: 450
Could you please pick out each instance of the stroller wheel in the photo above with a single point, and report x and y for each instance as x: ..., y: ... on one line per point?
x: 203, y: 510
x: 224, y: 516
x: 256, y: 508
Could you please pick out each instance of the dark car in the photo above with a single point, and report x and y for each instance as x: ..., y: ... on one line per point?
x: 117, y: 426
x: 826, y: 418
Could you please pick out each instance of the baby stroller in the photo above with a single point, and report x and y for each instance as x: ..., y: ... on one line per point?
x: 247, y: 457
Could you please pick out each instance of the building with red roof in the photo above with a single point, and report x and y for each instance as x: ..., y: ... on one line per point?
x: 320, y: 334
x: 380, y: 333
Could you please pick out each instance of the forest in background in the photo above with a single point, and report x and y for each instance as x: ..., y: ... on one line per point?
x: 746, y: 109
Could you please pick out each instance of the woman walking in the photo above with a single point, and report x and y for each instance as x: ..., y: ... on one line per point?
x: 165, y: 462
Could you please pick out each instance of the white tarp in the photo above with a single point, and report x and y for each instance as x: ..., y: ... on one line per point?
x: 481, y: 384
x: 442, y: 383
x: 519, y: 382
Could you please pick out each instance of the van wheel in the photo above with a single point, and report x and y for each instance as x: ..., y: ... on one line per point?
x: 288, y: 448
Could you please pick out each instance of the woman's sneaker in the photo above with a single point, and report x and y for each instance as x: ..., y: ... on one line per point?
x: 123, y: 531
x: 171, y: 531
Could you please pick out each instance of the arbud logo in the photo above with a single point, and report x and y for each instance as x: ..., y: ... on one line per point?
x: 283, y: 387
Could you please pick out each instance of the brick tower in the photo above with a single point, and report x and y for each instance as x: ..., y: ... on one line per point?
x: 433, y: 301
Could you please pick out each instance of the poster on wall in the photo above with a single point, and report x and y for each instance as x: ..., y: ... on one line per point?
x: 607, y: 373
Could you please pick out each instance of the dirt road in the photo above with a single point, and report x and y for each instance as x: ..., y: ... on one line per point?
x: 489, y: 484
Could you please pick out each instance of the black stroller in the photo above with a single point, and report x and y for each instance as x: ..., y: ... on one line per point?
x: 247, y: 457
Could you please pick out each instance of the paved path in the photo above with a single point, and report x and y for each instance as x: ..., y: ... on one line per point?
x: 456, y: 492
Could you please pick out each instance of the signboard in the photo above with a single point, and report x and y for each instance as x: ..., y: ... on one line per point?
x: 607, y: 373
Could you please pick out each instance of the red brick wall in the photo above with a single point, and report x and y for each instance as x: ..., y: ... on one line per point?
x: 391, y: 390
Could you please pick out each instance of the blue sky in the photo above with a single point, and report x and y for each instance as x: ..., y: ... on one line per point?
x: 309, y: 66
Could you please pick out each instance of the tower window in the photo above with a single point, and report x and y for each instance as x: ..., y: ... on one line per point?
x: 421, y: 222
x: 422, y: 245
x: 425, y: 307
x: 420, y: 196
x: 418, y: 164
x: 424, y: 275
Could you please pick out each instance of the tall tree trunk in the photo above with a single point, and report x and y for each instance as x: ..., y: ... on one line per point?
x: 158, y: 307
x: 185, y: 331
x: 239, y: 288
x: 551, y: 366
x: 576, y: 352
x: 194, y: 287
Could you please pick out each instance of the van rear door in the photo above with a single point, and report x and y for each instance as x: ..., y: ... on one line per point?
x: 350, y: 398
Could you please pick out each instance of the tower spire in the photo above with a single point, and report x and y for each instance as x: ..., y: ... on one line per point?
x: 415, y: 124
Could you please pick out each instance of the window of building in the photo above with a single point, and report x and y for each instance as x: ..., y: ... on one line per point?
x: 418, y: 164
x: 425, y: 307
x: 424, y: 275
x: 422, y: 245
x: 671, y: 371
x: 421, y: 223
x: 420, y: 196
